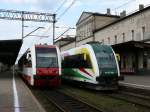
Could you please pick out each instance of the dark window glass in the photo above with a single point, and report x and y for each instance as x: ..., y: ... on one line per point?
x: 105, y: 58
x: 46, y: 58
x: 76, y: 61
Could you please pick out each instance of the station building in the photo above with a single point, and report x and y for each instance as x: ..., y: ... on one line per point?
x: 129, y: 35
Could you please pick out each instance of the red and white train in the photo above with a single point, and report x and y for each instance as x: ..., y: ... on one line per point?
x: 41, y: 65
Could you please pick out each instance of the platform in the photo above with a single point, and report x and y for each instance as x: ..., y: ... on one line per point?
x: 137, y: 81
x: 15, y: 96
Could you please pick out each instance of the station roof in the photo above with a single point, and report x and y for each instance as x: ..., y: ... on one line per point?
x: 9, y: 50
x: 131, y: 45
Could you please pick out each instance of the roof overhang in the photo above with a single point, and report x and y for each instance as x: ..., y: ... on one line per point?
x: 130, y: 46
x: 9, y: 50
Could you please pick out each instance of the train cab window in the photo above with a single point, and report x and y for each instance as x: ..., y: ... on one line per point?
x: 46, y: 57
x: 105, y: 58
x: 76, y: 61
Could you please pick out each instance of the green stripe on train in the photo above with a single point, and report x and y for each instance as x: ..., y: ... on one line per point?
x: 71, y: 73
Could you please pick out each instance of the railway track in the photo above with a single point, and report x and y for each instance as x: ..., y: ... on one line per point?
x: 66, y: 103
x: 131, y: 97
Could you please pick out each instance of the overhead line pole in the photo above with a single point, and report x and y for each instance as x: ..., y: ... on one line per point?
x: 54, y: 21
x: 22, y: 25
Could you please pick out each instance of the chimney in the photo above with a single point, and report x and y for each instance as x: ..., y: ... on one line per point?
x: 108, y: 11
x: 123, y: 14
x: 141, y: 6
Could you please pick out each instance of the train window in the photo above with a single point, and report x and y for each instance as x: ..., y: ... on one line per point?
x: 76, y: 61
x: 46, y: 57
x: 105, y: 59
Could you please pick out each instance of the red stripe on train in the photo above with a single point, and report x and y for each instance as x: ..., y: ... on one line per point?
x: 47, y: 71
x: 84, y: 71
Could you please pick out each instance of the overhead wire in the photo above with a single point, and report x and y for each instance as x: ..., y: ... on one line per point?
x: 62, y: 14
x: 60, y: 6
x: 72, y: 3
x: 50, y: 26
x: 128, y: 2
x: 58, y: 10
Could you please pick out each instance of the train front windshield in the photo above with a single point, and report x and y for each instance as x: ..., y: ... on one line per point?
x: 46, y: 58
x: 105, y: 57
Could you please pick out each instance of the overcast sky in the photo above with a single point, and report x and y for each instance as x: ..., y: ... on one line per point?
x: 12, y: 29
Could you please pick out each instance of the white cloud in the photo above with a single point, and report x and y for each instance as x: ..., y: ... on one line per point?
x: 143, y: 1
x: 132, y: 6
x: 19, y: 1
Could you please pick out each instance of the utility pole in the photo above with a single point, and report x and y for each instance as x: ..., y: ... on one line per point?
x: 22, y: 24
x: 54, y: 21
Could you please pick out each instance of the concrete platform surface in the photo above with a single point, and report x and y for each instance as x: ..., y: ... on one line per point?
x: 15, y: 96
x: 137, y: 81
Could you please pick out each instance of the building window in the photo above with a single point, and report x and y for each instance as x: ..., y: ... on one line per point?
x: 132, y: 34
x: 108, y: 40
x: 143, y: 32
x: 115, y: 39
x: 123, y: 36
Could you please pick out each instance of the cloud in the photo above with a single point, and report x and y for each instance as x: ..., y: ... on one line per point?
x: 12, y: 1
x: 18, y: 1
x: 132, y: 5
x: 45, y: 5
x: 143, y: 1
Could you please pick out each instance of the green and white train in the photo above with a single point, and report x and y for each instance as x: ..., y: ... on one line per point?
x: 92, y: 65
